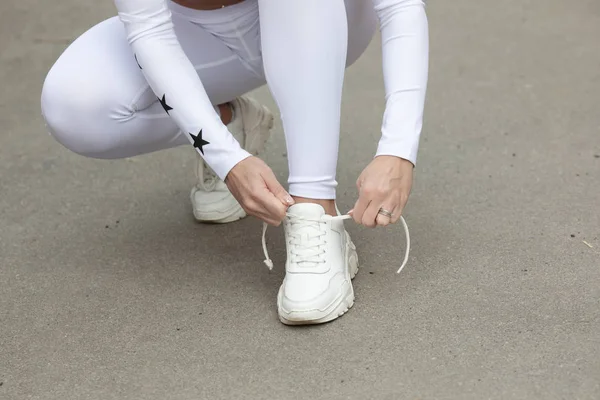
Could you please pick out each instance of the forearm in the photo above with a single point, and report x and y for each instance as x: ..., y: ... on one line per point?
x: 175, y: 82
x: 405, y: 48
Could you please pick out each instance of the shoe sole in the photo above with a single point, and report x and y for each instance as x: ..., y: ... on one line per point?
x: 237, y: 212
x: 234, y: 213
x: 339, y: 307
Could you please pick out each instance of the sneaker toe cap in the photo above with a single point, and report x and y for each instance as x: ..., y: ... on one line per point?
x: 305, y: 293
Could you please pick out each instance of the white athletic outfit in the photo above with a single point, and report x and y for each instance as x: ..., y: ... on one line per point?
x: 107, y: 94
x: 101, y: 99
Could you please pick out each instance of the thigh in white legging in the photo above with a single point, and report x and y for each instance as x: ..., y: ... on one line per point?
x: 97, y: 103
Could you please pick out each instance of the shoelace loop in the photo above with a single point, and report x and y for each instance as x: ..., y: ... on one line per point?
x: 269, y: 263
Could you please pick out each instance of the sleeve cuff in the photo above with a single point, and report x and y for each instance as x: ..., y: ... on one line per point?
x: 222, y: 162
x: 406, y: 148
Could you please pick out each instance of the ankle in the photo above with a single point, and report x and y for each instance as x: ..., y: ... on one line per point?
x: 226, y: 112
x: 327, y: 204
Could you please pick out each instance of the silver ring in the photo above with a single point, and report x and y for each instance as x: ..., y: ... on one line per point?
x: 385, y: 212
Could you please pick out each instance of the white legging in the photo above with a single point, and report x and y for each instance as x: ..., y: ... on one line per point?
x: 96, y: 102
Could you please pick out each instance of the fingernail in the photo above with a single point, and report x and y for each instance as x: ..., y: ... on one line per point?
x: 351, y: 212
x: 289, y: 200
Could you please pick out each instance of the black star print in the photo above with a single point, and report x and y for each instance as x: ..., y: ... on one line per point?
x: 163, y: 103
x: 136, y: 60
x: 199, y: 143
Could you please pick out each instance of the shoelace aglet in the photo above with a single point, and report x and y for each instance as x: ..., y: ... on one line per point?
x: 268, y: 262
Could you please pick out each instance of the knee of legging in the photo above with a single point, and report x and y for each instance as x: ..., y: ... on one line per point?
x: 78, y: 117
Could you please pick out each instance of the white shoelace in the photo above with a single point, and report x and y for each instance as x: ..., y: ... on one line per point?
x: 314, y: 248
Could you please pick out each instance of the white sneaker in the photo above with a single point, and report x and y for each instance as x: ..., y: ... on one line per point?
x: 321, y: 262
x: 211, y: 199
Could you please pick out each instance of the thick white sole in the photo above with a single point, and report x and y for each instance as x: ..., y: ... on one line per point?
x: 343, y: 302
x: 232, y: 214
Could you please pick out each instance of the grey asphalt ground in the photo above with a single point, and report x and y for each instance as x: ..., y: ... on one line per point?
x: 110, y: 290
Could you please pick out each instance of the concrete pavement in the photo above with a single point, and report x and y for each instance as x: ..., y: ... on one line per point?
x: 110, y: 290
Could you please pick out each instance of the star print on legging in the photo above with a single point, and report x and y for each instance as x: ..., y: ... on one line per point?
x: 163, y: 103
x: 199, y: 143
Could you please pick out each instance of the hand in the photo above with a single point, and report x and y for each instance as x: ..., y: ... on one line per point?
x: 384, y: 183
x: 255, y: 187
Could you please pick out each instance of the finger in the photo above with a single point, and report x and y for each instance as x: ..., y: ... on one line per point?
x: 266, y: 216
x: 397, y: 213
x: 370, y: 215
x: 254, y: 209
x: 254, y: 204
x: 359, y: 208
x: 269, y: 220
x: 383, y: 220
x: 270, y: 206
x: 272, y: 199
x: 275, y: 187
x: 388, y: 205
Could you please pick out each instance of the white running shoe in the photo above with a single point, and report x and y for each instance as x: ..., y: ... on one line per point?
x: 321, y: 262
x: 211, y: 199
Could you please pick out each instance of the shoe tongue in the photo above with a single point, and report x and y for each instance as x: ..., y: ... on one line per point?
x: 307, y: 210
x: 307, y: 231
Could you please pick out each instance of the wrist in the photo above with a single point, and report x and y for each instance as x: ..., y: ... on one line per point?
x: 234, y: 171
x: 223, y: 164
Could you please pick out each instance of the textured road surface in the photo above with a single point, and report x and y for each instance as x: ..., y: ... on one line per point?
x: 110, y: 290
